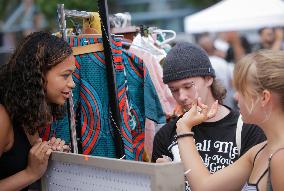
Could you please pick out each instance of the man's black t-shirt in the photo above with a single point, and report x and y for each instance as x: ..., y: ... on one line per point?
x: 215, y: 141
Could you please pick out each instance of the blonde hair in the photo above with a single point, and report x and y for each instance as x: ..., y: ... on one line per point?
x: 259, y: 71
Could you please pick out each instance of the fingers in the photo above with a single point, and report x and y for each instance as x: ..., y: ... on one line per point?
x: 194, y: 107
x: 213, y: 110
x: 163, y: 160
x: 208, y: 113
x: 52, y: 140
x: 47, y: 153
x: 66, y: 148
x: 167, y: 158
x: 201, y: 104
x: 36, y: 145
x: 202, y: 110
x: 40, y: 151
x: 60, y: 145
x: 198, y: 113
x: 39, y: 140
x: 203, y: 107
x: 44, y: 148
x: 56, y: 144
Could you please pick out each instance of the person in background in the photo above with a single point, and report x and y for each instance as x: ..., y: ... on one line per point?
x: 34, y: 86
x: 270, y: 38
x: 259, y: 82
x: 221, y: 67
x: 233, y: 45
x: 189, y: 74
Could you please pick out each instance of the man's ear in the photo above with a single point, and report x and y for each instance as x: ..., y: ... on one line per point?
x: 265, y: 97
x: 208, y: 80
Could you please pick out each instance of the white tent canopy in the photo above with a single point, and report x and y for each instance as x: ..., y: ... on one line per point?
x: 231, y: 15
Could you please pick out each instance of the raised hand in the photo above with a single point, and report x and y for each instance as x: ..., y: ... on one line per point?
x: 198, y: 113
x: 279, y: 33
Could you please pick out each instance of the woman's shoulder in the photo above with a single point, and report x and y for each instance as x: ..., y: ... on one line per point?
x: 276, y: 169
x: 258, y: 147
x: 277, y: 156
x: 253, y: 151
x: 6, y: 130
x: 4, y: 116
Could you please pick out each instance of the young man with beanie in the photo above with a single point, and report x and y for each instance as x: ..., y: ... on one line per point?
x: 189, y: 74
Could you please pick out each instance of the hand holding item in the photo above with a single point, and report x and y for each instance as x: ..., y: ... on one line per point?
x: 198, y: 113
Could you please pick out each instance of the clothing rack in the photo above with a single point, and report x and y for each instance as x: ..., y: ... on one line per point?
x: 113, y: 102
x: 62, y: 13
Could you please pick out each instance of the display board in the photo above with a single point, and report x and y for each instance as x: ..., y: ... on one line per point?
x: 73, y: 172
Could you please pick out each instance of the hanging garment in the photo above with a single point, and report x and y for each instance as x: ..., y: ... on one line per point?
x: 91, y: 102
x: 142, y: 98
x: 152, y: 63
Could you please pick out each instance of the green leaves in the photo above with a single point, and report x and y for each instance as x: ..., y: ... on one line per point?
x: 49, y: 9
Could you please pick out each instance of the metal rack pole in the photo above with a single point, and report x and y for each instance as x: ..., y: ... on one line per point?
x: 70, y: 104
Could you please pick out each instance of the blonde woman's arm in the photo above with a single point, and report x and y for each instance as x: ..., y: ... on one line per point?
x: 230, y: 178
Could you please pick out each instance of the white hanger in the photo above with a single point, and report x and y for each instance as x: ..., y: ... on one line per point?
x: 164, y: 33
x: 148, y: 44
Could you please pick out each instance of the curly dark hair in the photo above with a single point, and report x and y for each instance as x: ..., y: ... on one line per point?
x: 23, y: 82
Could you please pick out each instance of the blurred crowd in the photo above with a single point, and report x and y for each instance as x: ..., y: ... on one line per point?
x: 226, y: 48
x: 179, y: 94
x: 20, y: 22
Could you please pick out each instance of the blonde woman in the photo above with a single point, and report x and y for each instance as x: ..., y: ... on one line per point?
x: 259, y: 83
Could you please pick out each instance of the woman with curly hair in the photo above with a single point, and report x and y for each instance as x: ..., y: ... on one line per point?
x: 259, y: 83
x: 34, y: 85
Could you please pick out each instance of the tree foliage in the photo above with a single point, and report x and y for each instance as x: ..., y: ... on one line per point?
x: 49, y: 7
x: 6, y: 7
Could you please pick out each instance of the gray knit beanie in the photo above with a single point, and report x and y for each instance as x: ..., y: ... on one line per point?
x: 186, y: 60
